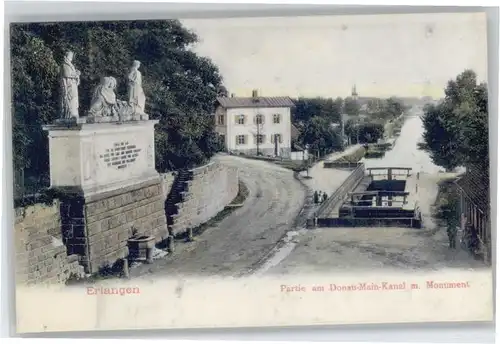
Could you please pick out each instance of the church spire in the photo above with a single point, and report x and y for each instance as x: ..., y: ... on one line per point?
x: 354, y: 93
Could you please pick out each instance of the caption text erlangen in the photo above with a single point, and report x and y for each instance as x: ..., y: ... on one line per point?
x: 370, y: 286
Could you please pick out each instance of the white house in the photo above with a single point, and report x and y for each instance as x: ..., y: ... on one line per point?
x: 255, y: 125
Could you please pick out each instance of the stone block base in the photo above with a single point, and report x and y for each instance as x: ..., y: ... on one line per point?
x: 97, y: 228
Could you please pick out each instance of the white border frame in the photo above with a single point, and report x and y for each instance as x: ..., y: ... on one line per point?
x: 28, y: 11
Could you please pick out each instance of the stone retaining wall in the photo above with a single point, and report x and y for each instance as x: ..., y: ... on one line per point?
x: 98, y: 229
x: 210, y: 190
x: 41, y: 256
x: 78, y: 233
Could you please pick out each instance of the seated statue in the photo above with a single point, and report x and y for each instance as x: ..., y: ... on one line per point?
x: 105, y: 104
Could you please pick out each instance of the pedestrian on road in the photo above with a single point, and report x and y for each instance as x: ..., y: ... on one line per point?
x: 325, y: 196
x: 316, y: 197
x: 451, y: 230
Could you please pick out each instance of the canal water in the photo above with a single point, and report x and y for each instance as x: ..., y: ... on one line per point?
x: 405, y: 152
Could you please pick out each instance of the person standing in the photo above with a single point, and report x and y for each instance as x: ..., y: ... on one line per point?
x: 451, y: 230
x: 316, y: 197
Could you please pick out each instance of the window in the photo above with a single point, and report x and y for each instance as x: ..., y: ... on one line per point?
x: 240, y: 119
x: 276, y: 118
x: 276, y: 138
x: 259, y: 119
x: 259, y: 139
x: 240, y: 139
x: 220, y: 119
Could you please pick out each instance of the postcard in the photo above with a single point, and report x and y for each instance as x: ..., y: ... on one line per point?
x: 260, y: 171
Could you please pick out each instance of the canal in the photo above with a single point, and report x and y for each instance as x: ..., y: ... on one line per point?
x: 405, y: 152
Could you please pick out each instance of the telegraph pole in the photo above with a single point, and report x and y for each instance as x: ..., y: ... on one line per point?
x: 276, y: 144
x: 258, y: 136
x: 357, y: 133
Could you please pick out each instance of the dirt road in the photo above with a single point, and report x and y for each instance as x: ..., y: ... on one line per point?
x: 240, y: 240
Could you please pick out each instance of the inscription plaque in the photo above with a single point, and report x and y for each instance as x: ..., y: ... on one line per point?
x: 121, y: 155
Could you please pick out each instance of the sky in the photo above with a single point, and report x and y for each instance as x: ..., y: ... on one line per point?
x: 408, y: 55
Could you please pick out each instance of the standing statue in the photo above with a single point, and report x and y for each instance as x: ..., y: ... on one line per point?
x: 137, y: 98
x: 70, y: 80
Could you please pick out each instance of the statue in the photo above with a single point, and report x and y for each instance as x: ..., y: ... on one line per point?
x: 70, y: 80
x: 137, y: 98
x: 104, y: 102
x: 104, y: 99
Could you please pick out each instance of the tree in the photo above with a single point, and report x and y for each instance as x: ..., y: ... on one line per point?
x: 321, y: 136
x: 456, y: 129
x: 393, y: 108
x: 307, y: 108
x: 370, y: 132
x: 386, y: 109
x: 364, y: 132
x: 351, y: 106
x: 441, y: 137
x: 34, y: 95
x: 331, y: 109
x: 181, y: 87
x: 375, y: 105
x: 474, y: 147
x: 338, y: 105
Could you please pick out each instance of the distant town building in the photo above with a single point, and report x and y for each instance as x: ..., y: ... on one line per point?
x: 474, y: 209
x: 255, y: 125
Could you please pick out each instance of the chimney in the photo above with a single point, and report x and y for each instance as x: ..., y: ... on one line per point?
x: 255, y: 94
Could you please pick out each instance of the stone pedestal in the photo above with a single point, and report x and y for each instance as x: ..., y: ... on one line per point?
x: 105, y: 175
x: 93, y: 158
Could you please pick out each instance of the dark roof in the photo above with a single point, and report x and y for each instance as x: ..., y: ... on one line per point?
x: 475, y: 183
x: 249, y: 102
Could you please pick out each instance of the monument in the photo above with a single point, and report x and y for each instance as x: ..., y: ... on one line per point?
x: 102, y: 166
